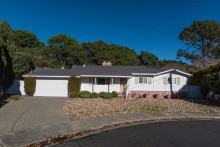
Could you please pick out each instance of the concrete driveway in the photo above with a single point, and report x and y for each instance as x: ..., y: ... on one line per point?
x: 31, y: 112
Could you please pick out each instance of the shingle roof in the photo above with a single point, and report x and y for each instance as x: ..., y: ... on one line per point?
x: 97, y: 70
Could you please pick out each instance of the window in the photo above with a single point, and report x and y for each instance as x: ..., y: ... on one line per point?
x: 103, y: 81
x: 173, y: 80
x: 142, y: 80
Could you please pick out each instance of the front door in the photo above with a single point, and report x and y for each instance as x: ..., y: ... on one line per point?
x: 123, y: 84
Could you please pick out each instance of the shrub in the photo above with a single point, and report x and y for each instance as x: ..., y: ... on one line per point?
x: 29, y: 85
x: 208, y: 78
x: 101, y: 94
x: 74, y: 94
x: 74, y: 84
x: 106, y: 95
x: 95, y: 95
x: 85, y: 94
x: 114, y: 94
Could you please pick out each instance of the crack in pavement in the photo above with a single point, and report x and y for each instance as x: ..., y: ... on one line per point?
x: 15, y: 122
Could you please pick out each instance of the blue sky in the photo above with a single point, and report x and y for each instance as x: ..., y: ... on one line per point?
x: 148, y: 25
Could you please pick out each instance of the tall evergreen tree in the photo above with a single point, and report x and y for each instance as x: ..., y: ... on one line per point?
x: 6, y: 66
x: 202, y: 39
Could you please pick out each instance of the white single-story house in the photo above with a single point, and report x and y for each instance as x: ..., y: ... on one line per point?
x: 128, y: 81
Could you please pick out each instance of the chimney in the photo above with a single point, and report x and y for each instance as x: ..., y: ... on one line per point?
x: 106, y: 63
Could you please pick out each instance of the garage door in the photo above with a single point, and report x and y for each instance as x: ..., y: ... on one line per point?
x: 51, y: 88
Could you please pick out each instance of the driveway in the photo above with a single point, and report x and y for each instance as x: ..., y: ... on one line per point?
x: 31, y: 112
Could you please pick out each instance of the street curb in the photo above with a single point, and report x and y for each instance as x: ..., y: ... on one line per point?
x: 95, y: 130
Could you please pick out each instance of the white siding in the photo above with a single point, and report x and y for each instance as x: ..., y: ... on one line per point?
x: 100, y: 88
x: 183, y: 83
x: 53, y: 87
x: 86, y: 86
x: 139, y: 87
x: 115, y: 86
x: 22, y: 87
x: 157, y: 84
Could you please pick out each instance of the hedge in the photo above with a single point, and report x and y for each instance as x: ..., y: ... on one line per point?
x: 29, y: 85
x: 208, y: 78
x: 85, y: 94
x: 74, y: 85
x: 105, y: 95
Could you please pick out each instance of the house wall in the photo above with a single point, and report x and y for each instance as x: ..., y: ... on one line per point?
x: 157, y: 84
x: 86, y: 86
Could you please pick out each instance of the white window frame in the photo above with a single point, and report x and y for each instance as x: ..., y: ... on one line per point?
x: 174, y: 81
x: 144, y: 80
x: 97, y: 80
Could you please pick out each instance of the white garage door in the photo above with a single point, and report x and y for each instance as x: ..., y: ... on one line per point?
x: 51, y: 88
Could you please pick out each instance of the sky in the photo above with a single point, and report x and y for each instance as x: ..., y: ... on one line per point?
x: 142, y: 25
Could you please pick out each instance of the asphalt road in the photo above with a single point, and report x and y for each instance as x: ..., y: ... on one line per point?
x: 161, y: 134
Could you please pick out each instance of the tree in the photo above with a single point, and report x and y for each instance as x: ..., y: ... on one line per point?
x: 64, y: 49
x: 202, y: 39
x: 25, y: 39
x: 99, y: 51
x: 22, y: 64
x: 148, y: 59
x: 6, y: 65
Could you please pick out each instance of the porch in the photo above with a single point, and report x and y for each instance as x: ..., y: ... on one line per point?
x: 105, y: 84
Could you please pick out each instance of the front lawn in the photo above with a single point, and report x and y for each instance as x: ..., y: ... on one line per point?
x: 79, y: 108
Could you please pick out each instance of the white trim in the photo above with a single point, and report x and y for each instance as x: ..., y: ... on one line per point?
x: 164, y: 71
x: 43, y: 76
x: 107, y: 76
x: 183, y: 72
x: 174, y: 70
x: 143, y: 74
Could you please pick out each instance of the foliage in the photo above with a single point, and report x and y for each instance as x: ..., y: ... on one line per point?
x: 74, y: 84
x: 29, y: 85
x: 202, y: 39
x: 208, y: 78
x: 42, y: 57
x: 65, y: 49
x: 105, y: 95
x: 85, y: 94
x: 95, y: 95
x: 14, y: 98
x: 100, y: 51
x: 22, y: 64
x: 6, y: 65
x: 23, y: 39
x: 115, y: 94
x: 74, y: 94
x: 148, y: 59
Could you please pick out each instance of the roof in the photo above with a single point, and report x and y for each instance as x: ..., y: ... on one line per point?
x: 97, y: 70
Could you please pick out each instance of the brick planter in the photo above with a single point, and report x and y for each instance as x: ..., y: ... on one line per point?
x: 134, y: 95
x: 146, y: 95
x: 157, y: 95
x: 167, y: 96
